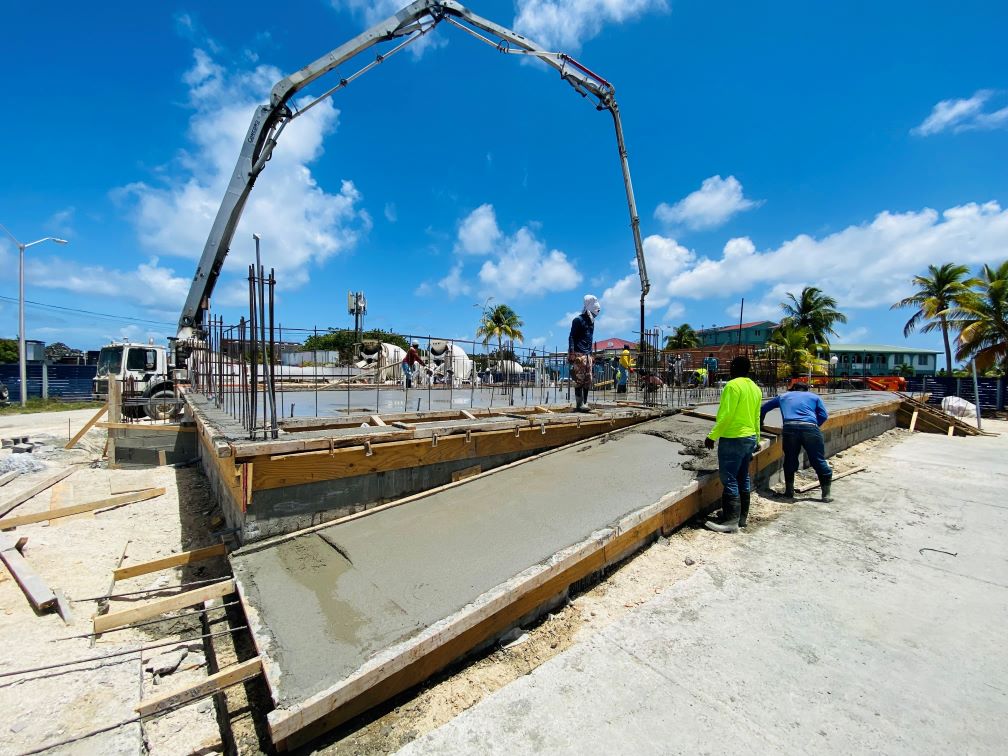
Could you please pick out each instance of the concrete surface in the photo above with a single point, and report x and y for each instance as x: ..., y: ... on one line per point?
x: 348, y: 591
x: 834, y: 629
x: 842, y: 400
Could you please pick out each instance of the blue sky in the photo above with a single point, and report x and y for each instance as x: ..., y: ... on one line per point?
x: 842, y: 145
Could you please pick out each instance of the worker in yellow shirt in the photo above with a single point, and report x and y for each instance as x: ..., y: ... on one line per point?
x: 626, y: 365
x: 736, y: 430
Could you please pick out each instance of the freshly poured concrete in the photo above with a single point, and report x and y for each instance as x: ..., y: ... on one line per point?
x: 321, y: 604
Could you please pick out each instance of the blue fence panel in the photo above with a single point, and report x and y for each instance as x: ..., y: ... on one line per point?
x: 69, y: 382
x: 992, y: 390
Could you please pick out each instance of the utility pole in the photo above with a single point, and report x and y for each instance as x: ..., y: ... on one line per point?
x: 22, y: 356
x: 357, y: 306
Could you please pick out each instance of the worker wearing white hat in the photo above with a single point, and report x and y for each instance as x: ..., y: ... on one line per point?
x: 579, y: 350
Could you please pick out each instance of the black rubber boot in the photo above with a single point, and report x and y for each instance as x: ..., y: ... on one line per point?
x: 825, y: 481
x: 717, y: 515
x: 744, y: 497
x: 729, y: 521
x: 788, y: 486
x: 579, y: 401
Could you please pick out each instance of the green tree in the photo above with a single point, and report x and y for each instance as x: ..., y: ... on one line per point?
x: 684, y: 337
x: 792, y: 344
x: 981, y: 317
x: 343, y: 340
x: 8, y: 351
x: 937, y: 293
x: 813, y: 312
x: 906, y: 370
x: 500, y: 323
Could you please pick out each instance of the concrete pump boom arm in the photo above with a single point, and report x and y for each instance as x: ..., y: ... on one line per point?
x: 270, y: 119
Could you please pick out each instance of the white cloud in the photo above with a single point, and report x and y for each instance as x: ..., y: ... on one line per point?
x: 850, y: 336
x: 564, y: 25
x: 294, y: 215
x: 453, y: 283
x: 478, y: 232
x: 391, y: 214
x: 710, y: 206
x: 963, y: 115
x: 61, y: 222
x: 526, y: 268
x: 863, y: 266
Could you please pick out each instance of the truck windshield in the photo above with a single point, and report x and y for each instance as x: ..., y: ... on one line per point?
x: 110, y: 360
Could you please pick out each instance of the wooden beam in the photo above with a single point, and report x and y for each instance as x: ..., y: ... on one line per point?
x: 212, y: 684
x: 39, y: 595
x: 376, y: 419
x: 11, y: 504
x: 913, y: 421
x: 163, y: 427
x: 175, y: 560
x: 87, y: 426
x: 112, y: 620
x: 7, y: 478
x: 468, y: 415
x: 110, y: 503
x: 951, y: 429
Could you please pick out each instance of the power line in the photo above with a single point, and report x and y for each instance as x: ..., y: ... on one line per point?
x: 110, y: 316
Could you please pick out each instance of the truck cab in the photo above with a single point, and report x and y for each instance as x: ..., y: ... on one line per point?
x: 146, y: 378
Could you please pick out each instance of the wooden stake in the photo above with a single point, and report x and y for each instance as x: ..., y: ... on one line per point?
x: 87, y: 426
x: 175, y: 560
x: 109, y: 503
x: 113, y: 620
x: 11, y: 504
x: 211, y: 685
x: 913, y: 421
x: 951, y: 430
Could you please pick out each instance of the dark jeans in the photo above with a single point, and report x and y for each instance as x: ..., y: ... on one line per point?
x: 798, y: 436
x: 733, y: 457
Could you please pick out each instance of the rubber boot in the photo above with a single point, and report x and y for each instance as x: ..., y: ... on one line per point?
x: 730, y: 517
x: 825, y: 481
x: 718, y: 515
x: 744, y: 497
x: 578, y: 401
x: 788, y: 486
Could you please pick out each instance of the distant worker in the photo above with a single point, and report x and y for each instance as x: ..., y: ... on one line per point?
x: 737, y: 432
x: 579, y: 350
x: 410, y: 362
x: 803, y: 413
x: 677, y: 370
x: 700, y: 377
x: 626, y: 366
x: 710, y: 364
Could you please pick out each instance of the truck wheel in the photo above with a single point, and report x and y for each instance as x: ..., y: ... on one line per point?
x: 162, y: 405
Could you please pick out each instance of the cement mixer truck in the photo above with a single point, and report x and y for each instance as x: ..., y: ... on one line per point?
x: 147, y: 377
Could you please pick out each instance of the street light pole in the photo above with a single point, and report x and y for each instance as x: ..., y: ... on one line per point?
x: 22, y: 355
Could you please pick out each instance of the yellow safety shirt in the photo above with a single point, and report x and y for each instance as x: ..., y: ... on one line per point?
x: 738, y: 415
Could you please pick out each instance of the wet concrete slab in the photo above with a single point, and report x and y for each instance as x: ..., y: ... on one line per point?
x: 323, y: 603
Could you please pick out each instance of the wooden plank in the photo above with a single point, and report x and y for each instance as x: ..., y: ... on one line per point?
x: 39, y: 595
x: 7, y: 478
x: 175, y: 560
x: 12, y: 503
x: 376, y: 419
x: 467, y: 414
x: 109, y: 503
x: 62, y: 493
x: 210, y: 685
x: 844, y: 474
x: 153, y: 427
x: 87, y: 426
x: 466, y: 473
x: 951, y: 430
x: 151, y: 609
x: 913, y: 421
x: 397, y: 455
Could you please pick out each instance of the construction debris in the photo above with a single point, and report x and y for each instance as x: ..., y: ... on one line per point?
x: 39, y: 595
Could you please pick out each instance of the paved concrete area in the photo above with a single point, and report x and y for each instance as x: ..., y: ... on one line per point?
x: 872, y: 624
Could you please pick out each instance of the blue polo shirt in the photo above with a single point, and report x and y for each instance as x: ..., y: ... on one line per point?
x: 797, y: 407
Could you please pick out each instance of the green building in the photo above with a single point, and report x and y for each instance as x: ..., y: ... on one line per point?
x: 880, y: 359
x: 753, y: 334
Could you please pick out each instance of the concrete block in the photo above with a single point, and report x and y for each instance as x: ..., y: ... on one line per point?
x: 22, y: 448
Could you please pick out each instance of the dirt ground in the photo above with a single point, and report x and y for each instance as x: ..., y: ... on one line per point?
x: 77, y: 555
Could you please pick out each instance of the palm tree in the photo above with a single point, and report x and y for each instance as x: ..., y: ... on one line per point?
x: 814, y: 312
x: 981, y: 316
x: 937, y: 293
x: 501, y: 322
x: 684, y: 337
x: 793, y: 343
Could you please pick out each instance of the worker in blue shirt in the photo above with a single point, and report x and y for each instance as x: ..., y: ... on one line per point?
x: 803, y: 412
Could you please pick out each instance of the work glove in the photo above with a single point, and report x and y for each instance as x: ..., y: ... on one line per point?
x: 708, y: 443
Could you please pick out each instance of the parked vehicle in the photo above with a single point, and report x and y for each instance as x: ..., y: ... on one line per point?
x: 146, y: 377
